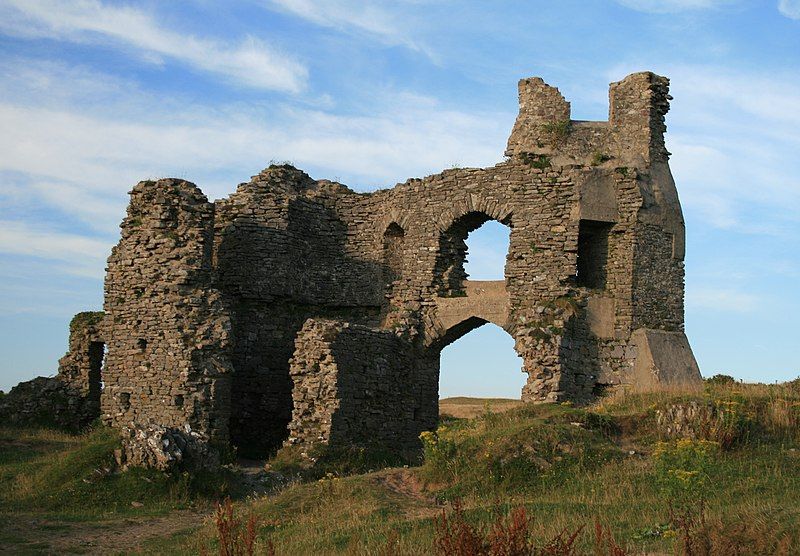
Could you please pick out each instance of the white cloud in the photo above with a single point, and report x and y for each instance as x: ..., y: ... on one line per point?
x: 721, y: 300
x: 251, y: 62
x: 790, y: 8
x: 672, y: 6
x: 376, y: 18
x: 85, y: 256
x: 72, y: 161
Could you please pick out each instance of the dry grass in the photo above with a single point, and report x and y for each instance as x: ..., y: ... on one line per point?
x: 468, y: 408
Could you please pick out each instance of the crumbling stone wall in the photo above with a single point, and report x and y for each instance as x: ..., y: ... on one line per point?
x: 297, y: 310
x: 356, y: 384
x: 167, y: 327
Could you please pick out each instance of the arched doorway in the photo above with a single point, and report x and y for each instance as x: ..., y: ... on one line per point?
x: 475, y: 243
x: 477, y: 358
x: 481, y: 364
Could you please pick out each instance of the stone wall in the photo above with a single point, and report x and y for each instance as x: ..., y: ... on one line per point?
x: 358, y: 385
x: 298, y: 309
x: 168, y: 330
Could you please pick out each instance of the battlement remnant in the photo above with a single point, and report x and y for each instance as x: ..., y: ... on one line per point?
x: 297, y: 312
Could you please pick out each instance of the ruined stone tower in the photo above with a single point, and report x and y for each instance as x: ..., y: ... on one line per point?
x: 298, y: 311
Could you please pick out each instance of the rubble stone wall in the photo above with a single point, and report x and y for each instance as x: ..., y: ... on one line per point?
x: 167, y: 327
x: 359, y: 385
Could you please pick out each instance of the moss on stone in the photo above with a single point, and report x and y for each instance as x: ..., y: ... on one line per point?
x: 85, y: 319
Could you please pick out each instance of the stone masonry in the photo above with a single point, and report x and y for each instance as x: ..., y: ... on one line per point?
x: 298, y: 312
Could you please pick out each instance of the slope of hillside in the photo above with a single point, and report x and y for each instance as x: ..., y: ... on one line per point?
x: 728, y: 483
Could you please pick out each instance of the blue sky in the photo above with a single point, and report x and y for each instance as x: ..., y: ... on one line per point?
x: 95, y: 96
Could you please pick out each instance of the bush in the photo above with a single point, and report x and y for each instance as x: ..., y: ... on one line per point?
x: 721, y: 380
x: 683, y: 470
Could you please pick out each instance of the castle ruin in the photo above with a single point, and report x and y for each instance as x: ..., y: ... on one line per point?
x: 298, y: 312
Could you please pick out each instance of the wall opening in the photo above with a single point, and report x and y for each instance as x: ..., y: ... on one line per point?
x: 592, y: 263
x: 475, y: 247
x: 97, y: 355
x: 481, y: 364
x: 487, y: 249
x: 393, y: 239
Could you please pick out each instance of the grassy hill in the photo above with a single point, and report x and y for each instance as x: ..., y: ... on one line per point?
x: 607, y: 479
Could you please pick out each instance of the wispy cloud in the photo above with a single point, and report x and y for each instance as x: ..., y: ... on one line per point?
x: 790, y: 8
x: 733, y: 137
x: 250, y: 62
x: 378, y: 19
x: 672, y: 6
x: 86, y: 256
x: 79, y: 161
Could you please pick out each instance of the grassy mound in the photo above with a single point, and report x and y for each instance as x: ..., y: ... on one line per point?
x: 74, y: 477
x: 546, y: 477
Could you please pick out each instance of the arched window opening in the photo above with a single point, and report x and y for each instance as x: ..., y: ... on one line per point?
x: 393, y: 239
x: 476, y: 247
x: 592, y: 253
x: 480, y: 366
x: 487, y: 248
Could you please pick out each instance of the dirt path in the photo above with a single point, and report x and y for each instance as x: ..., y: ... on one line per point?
x: 405, y: 483
x: 31, y: 535
x: 34, y: 534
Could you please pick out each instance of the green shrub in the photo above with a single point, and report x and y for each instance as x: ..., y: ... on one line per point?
x: 683, y: 471
x: 721, y: 380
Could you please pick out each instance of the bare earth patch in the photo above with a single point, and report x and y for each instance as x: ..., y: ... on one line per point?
x: 32, y: 534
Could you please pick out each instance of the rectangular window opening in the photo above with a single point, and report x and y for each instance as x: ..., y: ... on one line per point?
x: 593, y: 253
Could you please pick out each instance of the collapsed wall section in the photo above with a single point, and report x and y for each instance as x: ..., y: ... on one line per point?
x: 168, y: 332
x: 360, y: 386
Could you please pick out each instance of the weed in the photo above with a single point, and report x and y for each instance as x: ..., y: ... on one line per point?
x: 455, y: 537
x: 557, y: 131
x: 683, y: 472
x: 235, y: 538
x: 598, y: 158
x: 84, y: 319
x: 511, y: 535
x: 538, y: 161
x: 285, y: 164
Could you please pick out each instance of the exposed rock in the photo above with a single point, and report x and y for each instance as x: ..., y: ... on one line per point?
x: 165, y: 449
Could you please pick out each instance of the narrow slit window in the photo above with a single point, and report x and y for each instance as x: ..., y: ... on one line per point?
x: 393, y: 253
x: 97, y: 354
